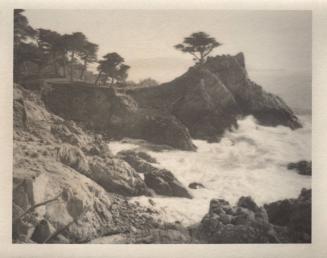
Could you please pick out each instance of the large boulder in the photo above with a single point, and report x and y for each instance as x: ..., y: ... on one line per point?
x: 40, y: 179
x: 303, y: 167
x: 116, y: 176
x: 138, y: 161
x: 294, y: 214
x: 113, y: 174
x: 244, y: 223
x: 162, y: 181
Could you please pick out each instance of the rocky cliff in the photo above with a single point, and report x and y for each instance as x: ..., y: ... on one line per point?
x: 115, y: 115
x: 208, y: 99
x: 67, y: 185
x: 202, y: 104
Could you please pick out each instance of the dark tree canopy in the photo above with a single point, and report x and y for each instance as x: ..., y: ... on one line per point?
x: 73, y: 45
x: 199, y: 45
x: 112, y: 67
x: 22, y: 29
x: 148, y: 82
x: 88, y: 54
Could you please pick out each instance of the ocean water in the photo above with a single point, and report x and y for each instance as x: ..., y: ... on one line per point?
x: 249, y: 161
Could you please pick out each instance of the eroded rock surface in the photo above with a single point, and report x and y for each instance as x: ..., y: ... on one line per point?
x: 161, y: 181
x: 244, y: 223
x: 73, y: 175
x: 294, y: 215
x: 118, y: 115
x: 209, y: 99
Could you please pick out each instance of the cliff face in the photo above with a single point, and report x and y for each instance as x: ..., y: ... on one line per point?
x: 116, y: 115
x: 202, y: 103
x: 267, y: 108
x: 208, y: 99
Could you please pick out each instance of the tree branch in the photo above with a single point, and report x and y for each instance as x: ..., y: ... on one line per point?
x: 36, y: 206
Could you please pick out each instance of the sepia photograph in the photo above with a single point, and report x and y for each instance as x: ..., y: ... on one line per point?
x: 162, y: 126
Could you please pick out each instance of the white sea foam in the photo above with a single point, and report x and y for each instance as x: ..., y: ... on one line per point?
x: 251, y: 160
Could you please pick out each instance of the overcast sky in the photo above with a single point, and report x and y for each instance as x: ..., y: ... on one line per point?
x: 270, y: 40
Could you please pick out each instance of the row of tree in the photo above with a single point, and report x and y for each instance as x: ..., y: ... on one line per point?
x: 46, y: 53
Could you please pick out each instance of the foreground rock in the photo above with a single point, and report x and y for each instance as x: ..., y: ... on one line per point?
x: 286, y: 221
x: 294, y: 216
x: 244, y: 223
x: 167, y: 233
x: 161, y: 181
x: 66, y: 183
x: 303, y: 167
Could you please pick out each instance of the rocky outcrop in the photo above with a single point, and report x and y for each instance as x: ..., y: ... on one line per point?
x: 267, y: 108
x: 203, y: 103
x: 244, y: 223
x: 117, y: 115
x: 208, y: 99
x: 116, y: 176
x: 294, y: 215
x: 286, y: 221
x: 303, y: 167
x: 64, y: 178
x: 161, y: 181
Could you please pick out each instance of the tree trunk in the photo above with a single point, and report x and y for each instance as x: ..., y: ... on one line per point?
x: 71, y: 66
x: 64, y: 65
x: 96, y: 81
x: 55, y: 65
x: 83, y: 70
x: 201, y: 58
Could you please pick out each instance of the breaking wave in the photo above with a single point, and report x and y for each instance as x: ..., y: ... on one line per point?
x: 249, y: 161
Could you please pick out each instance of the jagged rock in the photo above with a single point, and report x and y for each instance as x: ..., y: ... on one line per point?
x: 226, y: 224
x: 63, y: 133
x: 195, y: 185
x: 102, y: 109
x: 136, y: 160
x: 203, y: 102
x: 294, y: 214
x: 45, y: 167
x: 209, y: 98
x: 248, y: 203
x: 73, y: 157
x: 303, y: 167
x: 267, y: 108
x: 146, y: 157
x: 162, y: 181
x: 116, y: 176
